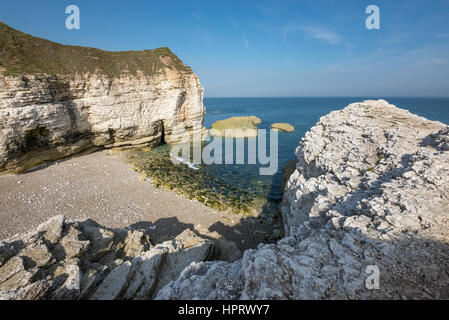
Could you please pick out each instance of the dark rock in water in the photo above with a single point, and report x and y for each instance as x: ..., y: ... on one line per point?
x: 200, y: 185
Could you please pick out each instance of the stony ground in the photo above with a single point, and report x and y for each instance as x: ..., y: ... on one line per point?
x: 104, y: 188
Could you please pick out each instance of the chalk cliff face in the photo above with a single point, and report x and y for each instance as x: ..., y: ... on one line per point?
x: 51, y: 111
x: 366, y: 215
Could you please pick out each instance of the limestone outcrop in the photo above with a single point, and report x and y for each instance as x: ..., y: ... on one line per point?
x: 84, y: 260
x: 56, y: 101
x: 365, y: 212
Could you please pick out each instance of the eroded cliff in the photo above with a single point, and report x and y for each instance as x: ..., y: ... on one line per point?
x: 56, y: 100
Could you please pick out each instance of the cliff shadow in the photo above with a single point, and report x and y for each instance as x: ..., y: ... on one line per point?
x: 248, y: 233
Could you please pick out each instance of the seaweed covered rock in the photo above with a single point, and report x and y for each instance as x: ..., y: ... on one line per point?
x: 236, y: 127
x: 286, y: 127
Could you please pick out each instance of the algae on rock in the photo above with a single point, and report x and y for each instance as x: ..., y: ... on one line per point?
x: 286, y: 127
x: 236, y: 127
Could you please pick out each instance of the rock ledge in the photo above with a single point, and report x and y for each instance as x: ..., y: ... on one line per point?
x: 84, y: 260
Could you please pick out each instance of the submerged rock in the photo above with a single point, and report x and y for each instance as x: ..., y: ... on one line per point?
x: 236, y: 127
x: 286, y: 127
x: 366, y: 216
x: 200, y: 185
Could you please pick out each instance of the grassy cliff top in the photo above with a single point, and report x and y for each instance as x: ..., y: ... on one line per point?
x: 21, y: 53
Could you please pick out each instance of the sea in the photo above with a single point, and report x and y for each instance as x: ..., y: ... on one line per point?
x: 302, y: 113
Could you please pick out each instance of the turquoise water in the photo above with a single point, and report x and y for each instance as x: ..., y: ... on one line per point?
x: 302, y: 113
x: 240, y: 188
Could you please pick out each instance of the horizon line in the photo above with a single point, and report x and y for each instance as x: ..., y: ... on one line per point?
x: 268, y: 97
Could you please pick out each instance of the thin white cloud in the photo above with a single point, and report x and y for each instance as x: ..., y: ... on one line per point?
x: 246, y: 42
x: 242, y: 33
x: 313, y: 32
x: 269, y: 9
x: 420, y: 58
x: 328, y: 36
x: 195, y: 15
x: 442, y: 35
x: 439, y: 61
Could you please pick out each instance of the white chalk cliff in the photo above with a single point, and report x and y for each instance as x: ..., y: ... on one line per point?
x: 58, y: 100
x: 45, y: 117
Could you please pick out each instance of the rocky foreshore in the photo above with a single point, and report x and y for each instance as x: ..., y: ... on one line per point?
x: 365, y: 213
x: 84, y: 260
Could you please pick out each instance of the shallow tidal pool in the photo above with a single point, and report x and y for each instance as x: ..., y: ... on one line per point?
x: 234, y: 189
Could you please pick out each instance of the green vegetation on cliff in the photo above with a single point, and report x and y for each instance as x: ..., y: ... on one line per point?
x: 21, y: 53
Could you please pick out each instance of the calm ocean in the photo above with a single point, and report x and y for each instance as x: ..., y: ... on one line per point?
x: 241, y: 187
x: 302, y: 113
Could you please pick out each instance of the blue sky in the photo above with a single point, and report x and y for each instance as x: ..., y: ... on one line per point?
x: 267, y: 48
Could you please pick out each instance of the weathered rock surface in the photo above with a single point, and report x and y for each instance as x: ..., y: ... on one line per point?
x: 83, y: 260
x: 45, y: 117
x: 370, y: 192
